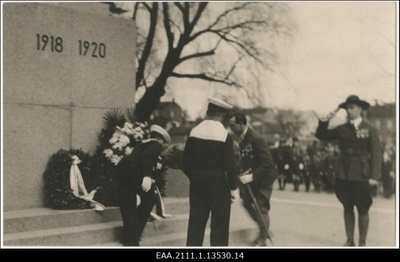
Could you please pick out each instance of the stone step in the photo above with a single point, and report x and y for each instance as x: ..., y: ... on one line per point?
x: 44, y: 218
x: 32, y: 220
x: 239, y: 236
x: 92, y: 234
x: 68, y: 236
x: 67, y: 228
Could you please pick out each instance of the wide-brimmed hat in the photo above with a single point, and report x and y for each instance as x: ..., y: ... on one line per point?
x: 158, y: 129
x: 355, y: 100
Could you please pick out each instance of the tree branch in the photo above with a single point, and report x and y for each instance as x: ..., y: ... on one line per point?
x: 149, y: 43
x: 170, y: 35
x: 178, y: 4
x: 242, y: 25
x: 185, y: 14
x: 197, y: 16
x: 227, y: 12
x: 135, y: 9
x: 147, y: 6
x: 233, y: 67
x: 243, y: 46
x: 204, y: 76
x: 176, y: 26
x: 219, y: 18
x: 200, y: 54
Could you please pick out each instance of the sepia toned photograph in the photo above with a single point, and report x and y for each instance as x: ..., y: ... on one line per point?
x: 229, y: 124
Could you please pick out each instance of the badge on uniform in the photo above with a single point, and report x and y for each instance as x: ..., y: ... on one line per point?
x: 363, y: 133
x: 248, y: 151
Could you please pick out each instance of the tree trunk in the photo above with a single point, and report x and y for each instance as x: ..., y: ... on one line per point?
x: 149, y: 101
x: 153, y: 94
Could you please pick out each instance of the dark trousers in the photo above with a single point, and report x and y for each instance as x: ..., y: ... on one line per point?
x: 209, y: 194
x: 262, y: 197
x: 350, y: 194
x: 135, y: 217
x: 354, y: 193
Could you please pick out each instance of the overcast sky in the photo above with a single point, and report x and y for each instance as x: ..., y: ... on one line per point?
x: 338, y: 49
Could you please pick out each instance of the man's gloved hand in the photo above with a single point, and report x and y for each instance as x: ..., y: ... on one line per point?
x: 372, y: 182
x: 246, y: 178
x: 146, y: 184
x: 234, y: 195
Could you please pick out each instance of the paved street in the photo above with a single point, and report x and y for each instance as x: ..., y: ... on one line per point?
x: 300, y: 219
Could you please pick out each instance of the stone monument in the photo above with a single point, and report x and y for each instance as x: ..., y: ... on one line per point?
x: 64, y: 66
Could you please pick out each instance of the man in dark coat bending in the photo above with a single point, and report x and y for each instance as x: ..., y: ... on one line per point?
x: 208, y: 161
x: 257, y: 169
x: 135, y: 177
x: 358, y: 166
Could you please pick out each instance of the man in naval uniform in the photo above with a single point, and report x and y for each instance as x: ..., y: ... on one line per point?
x: 208, y: 161
x: 135, y: 177
x: 358, y: 166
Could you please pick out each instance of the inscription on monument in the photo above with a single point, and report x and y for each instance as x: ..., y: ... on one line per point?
x: 55, y: 44
x: 98, y: 50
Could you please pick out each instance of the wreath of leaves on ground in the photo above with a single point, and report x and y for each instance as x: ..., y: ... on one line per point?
x: 58, y: 194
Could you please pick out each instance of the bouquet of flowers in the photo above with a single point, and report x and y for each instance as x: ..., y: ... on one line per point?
x: 125, y: 139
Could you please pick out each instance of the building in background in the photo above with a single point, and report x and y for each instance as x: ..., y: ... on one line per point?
x: 168, y: 115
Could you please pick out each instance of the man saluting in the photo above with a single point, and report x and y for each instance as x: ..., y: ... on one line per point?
x: 358, y: 166
x: 208, y: 161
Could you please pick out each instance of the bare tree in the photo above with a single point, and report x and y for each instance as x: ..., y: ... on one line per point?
x: 184, y: 39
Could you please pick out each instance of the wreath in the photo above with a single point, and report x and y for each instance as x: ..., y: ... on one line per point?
x: 58, y: 193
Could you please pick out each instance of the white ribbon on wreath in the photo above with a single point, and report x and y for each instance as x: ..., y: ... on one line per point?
x: 78, y: 186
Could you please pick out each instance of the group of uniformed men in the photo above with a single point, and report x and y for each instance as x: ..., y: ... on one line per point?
x: 218, y: 176
x: 311, y: 166
x: 209, y: 162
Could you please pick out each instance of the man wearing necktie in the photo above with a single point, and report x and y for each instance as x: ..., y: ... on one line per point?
x: 358, y: 166
x: 258, y: 170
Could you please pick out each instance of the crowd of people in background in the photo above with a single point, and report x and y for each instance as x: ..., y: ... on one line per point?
x: 310, y: 166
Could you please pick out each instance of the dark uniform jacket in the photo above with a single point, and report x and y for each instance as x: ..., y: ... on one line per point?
x: 256, y: 155
x: 209, y: 152
x: 139, y: 164
x: 361, y: 156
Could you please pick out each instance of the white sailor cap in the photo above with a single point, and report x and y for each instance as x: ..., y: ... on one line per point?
x: 161, y: 131
x: 219, y: 102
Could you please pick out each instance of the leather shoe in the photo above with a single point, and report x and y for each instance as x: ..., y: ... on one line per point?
x: 349, y: 243
x: 264, y: 242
